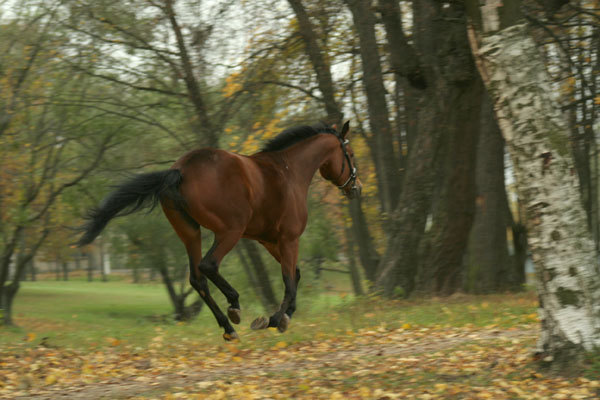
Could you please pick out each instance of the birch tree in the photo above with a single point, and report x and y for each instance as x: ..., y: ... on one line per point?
x: 536, y: 132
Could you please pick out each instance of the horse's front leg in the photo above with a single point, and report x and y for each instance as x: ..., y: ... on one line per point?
x: 287, y: 255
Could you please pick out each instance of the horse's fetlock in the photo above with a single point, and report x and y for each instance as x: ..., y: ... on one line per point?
x: 194, y: 283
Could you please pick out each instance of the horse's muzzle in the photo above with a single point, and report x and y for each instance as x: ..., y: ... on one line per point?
x: 355, y: 191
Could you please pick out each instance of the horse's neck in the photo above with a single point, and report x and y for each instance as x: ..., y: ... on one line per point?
x: 306, y: 157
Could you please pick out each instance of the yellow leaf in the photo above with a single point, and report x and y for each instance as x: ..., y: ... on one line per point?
x: 51, y: 379
x: 30, y: 337
x: 440, y: 386
x: 597, y: 100
x: 113, y: 342
x: 237, y: 359
x: 406, y: 326
x: 364, y: 392
x: 280, y: 345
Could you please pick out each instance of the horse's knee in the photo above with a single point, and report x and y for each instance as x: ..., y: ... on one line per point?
x: 208, y: 267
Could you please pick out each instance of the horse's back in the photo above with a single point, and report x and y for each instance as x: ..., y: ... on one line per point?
x: 216, y: 187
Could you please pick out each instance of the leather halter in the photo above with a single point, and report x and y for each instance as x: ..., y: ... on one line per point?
x: 352, y: 177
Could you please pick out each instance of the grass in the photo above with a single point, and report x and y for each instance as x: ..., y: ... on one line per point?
x: 92, y: 315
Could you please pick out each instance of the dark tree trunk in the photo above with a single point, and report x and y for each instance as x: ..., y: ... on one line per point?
x: 261, y: 278
x: 77, y: 257
x: 102, y: 266
x: 57, y: 265
x: 319, y: 62
x: 388, y: 174
x: 9, y: 291
x: 398, y: 266
x: 517, y: 266
x: 65, y: 271
x: 367, y: 254
x: 203, y: 123
x: 488, y: 259
x: 352, y: 267
x: 442, y: 268
x: 7, y: 295
x: 91, y: 265
x: 406, y: 64
x: 180, y: 311
x: 32, y: 270
x: 267, y: 306
x: 360, y: 229
x: 450, y: 82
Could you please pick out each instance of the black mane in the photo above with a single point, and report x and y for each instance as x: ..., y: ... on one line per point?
x: 296, y: 134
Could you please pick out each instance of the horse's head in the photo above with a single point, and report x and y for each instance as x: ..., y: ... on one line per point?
x: 341, y: 168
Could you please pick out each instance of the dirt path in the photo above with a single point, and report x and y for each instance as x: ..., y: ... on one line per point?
x: 369, y: 350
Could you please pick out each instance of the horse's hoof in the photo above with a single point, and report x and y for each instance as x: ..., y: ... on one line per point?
x: 231, y: 336
x: 234, y: 314
x: 260, y: 323
x: 283, y: 323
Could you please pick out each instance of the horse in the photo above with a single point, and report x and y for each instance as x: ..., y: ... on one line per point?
x: 261, y: 197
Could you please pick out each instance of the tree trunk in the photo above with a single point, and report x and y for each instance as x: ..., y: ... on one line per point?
x: 91, y: 265
x: 360, y: 229
x: 441, y: 40
x: 267, y: 306
x: 567, y: 275
x: 261, y: 276
x: 7, y: 295
x: 354, y: 273
x: 388, y: 174
x: 77, y: 257
x: 398, y: 265
x: 9, y: 291
x: 102, y: 266
x: 203, y: 123
x: 57, y: 265
x: 65, y: 270
x: 367, y: 254
x: 488, y: 262
x: 441, y: 271
x: 32, y: 270
x: 319, y: 62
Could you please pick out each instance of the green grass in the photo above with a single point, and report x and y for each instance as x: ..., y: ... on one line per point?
x: 90, y: 315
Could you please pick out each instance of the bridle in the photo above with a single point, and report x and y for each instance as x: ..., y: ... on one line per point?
x: 352, y: 178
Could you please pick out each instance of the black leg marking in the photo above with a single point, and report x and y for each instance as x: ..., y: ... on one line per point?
x: 292, y: 308
x: 209, y: 267
x: 280, y: 319
x: 201, y: 286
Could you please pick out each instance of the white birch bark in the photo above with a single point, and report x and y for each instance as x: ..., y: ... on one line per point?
x: 567, y: 274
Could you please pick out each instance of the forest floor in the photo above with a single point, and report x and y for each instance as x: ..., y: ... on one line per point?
x: 379, y: 356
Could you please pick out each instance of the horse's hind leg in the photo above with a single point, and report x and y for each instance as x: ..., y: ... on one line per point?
x: 191, y: 238
x: 199, y: 282
x: 209, y: 266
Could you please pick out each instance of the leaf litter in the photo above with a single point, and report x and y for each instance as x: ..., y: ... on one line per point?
x: 376, y: 363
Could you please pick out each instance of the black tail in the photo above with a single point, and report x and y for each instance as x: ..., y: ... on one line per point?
x: 141, y: 191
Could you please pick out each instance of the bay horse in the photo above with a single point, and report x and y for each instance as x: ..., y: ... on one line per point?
x: 261, y: 197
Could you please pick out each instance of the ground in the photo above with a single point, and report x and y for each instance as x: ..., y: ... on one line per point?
x: 459, y: 348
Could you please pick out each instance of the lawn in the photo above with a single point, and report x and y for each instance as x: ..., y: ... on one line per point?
x: 117, y: 340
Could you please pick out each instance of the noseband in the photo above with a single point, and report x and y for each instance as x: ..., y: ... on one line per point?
x: 352, y: 177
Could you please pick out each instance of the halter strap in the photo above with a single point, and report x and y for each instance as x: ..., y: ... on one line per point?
x: 352, y: 177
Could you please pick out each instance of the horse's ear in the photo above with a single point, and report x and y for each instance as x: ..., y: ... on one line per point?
x: 345, y: 129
